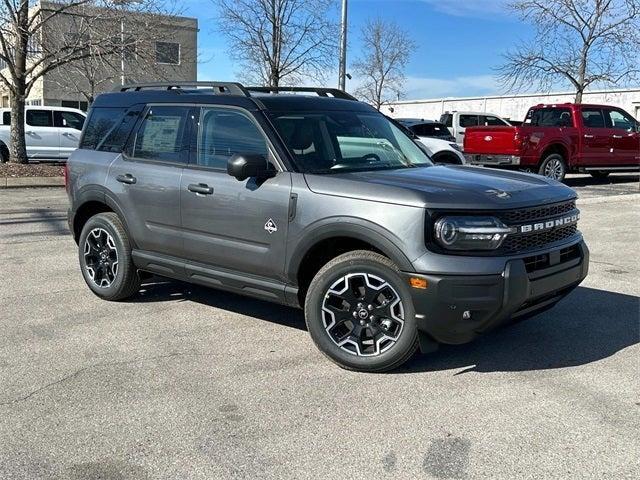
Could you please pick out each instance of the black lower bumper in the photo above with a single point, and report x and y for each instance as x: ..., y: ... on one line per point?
x: 455, y: 309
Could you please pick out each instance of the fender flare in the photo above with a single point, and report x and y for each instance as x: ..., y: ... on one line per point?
x: 358, y: 229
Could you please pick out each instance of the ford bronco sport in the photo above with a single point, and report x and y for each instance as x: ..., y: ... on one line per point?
x: 316, y: 201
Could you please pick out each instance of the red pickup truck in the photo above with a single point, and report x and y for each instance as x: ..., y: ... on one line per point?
x: 557, y: 139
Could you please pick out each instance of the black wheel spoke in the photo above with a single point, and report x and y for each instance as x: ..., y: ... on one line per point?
x: 100, y: 257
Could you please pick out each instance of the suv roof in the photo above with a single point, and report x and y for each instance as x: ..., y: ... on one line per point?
x: 221, y: 93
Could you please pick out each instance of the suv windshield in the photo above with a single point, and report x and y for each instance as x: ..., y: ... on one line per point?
x: 332, y: 142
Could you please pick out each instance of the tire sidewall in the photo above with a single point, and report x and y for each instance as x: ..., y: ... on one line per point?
x: 315, y: 324
x: 549, y: 158
x: 122, y: 249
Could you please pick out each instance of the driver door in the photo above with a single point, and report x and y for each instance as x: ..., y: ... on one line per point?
x: 226, y: 223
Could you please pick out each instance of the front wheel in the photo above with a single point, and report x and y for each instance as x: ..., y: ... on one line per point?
x: 105, y: 258
x: 553, y: 167
x: 360, y: 314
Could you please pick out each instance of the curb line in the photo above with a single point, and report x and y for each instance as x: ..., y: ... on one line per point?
x: 26, y: 182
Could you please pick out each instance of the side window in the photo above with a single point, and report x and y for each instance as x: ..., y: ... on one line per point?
x: 620, y: 120
x: 489, y: 120
x: 39, y: 118
x: 68, y: 120
x: 468, y: 121
x: 550, y: 117
x: 6, y: 118
x: 420, y: 130
x: 100, y: 122
x: 225, y: 132
x: 593, y: 118
x: 447, y: 119
x: 117, y: 137
x: 161, y: 134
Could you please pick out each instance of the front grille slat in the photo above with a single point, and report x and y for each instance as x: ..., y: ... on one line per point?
x: 512, y: 217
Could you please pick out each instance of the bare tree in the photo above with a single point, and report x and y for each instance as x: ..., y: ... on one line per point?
x: 580, y: 42
x: 386, y: 52
x: 37, y: 38
x: 280, y: 40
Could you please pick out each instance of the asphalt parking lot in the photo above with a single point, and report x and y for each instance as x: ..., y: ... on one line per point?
x: 190, y: 383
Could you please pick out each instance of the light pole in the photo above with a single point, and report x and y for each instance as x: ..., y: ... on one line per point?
x: 343, y: 48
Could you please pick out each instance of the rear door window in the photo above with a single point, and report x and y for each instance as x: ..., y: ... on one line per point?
x: 6, y: 118
x: 468, y: 121
x: 490, y: 120
x: 161, y: 136
x: 593, y: 118
x: 39, y: 118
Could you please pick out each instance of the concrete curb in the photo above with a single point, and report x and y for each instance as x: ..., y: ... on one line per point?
x: 26, y: 182
x: 628, y: 197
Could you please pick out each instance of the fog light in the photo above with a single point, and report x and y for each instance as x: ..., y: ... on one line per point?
x: 466, y: 315
x: 416, y: 282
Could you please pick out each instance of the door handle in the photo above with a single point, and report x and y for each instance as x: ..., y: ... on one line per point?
x: 30, y: 132
x: 616, y: 136
x: 201, y: 188
x: 127, y: 178
x: 586, y: 135
x: 67, y: 134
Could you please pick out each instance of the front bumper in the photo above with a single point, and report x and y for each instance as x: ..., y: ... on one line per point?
x: 491, y: 300
x: 475, y: 159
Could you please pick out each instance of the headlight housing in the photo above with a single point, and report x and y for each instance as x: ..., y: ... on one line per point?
x: 470, y: 233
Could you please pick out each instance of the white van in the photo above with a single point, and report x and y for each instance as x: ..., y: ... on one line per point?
x: 51, y: 133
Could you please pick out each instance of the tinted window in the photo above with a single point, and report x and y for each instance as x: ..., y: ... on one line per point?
x: 550, y: 117
x: 489, y: 120
x: 593, y: 118
x: 6, y: 118
x: 620, y: 120
x: 167, y: 52
x: 68, y: 120
x: 39, y: 118
x: 430, y: 130
x: 117, y: 138
x: 446, y: 119
x: 100, y: 122
x: 468, y: 121
x: 225, y: 132
x: 161, y: 134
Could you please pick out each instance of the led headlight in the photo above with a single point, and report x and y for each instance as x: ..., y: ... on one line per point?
x: 470, y: 233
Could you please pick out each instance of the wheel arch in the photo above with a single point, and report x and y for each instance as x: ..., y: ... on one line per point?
x: 555, y: 147
x: 92, y: 201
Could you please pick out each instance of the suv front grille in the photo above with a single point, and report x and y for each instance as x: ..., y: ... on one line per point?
x: 518, y: 243
x: 512, y: 217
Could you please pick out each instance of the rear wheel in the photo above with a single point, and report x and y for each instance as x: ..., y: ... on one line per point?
x: 553, y: 166
x: 105, y: 258
x: 360, y: 314
x: 599, y: 174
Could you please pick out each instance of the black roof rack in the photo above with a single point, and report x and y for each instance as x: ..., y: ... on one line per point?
x: 323, y: 92
x: 219, y: 88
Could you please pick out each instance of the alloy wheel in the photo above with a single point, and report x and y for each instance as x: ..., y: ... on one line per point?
x: 553, y: 169
x: 101, y: 257
x: 363, y: 314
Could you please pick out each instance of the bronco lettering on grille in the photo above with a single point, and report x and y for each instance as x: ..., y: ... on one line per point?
x: 549, y: 224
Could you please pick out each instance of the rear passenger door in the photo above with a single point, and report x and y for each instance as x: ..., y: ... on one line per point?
x: 146, y: 178
x: 597, y: 147
x: 41, y: 136
x: 231, y: 224
x: 464, y: 122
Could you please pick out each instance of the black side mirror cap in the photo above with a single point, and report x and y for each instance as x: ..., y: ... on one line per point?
x: 243, y: 166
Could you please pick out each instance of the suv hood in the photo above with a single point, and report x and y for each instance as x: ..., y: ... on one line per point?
x: 446, y: 187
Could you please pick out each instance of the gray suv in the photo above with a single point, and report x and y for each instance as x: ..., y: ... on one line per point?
x: 310, y: 198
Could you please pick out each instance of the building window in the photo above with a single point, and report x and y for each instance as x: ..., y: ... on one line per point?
x: 168, y: 53
x: 36, y: 103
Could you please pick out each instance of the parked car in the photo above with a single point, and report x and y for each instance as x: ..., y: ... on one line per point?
x: 318, y: 202
x: 427, y: 128
x: 51, y: 133
x: 557, y: 139
x: 440, y: 148
x: 458, y: 122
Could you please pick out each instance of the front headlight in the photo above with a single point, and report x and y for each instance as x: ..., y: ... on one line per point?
x: 455, y: 146
x: 470, y: 233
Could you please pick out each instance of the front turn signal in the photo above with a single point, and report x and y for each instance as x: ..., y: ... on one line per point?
x: 416, y: 282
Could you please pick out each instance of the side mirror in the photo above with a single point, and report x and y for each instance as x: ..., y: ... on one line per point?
x: 251, y: 165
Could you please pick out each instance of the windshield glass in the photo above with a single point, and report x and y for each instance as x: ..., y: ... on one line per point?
x: 332, y: 142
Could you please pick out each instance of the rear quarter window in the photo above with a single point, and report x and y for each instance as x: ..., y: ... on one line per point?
x: 100, y: 122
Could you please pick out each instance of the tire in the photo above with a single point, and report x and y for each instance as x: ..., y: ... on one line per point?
x: 4, y: 153
x: 446, y: 159
x: 553, y: 166
x: 104, y: 239
x: 386, y: 342
x: 599, y: 174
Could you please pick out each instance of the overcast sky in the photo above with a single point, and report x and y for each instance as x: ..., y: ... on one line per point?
x: 459, y: 42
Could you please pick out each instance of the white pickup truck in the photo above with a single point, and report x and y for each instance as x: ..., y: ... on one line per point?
x: 51, y: 133
x: 457, y: 122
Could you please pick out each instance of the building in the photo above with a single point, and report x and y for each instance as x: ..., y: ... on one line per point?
x: 171, y: 54
x: 511, y: 106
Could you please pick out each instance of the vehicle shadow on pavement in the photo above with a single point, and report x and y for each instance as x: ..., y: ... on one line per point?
x: 160, y: 289
x: 610, y: 180
x: 587, y: 326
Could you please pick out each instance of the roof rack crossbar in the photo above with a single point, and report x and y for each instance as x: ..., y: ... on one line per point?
x: 219, y: 88
x: 323, y: 92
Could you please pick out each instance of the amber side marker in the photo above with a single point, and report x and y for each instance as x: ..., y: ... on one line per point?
x: 416, y: 282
